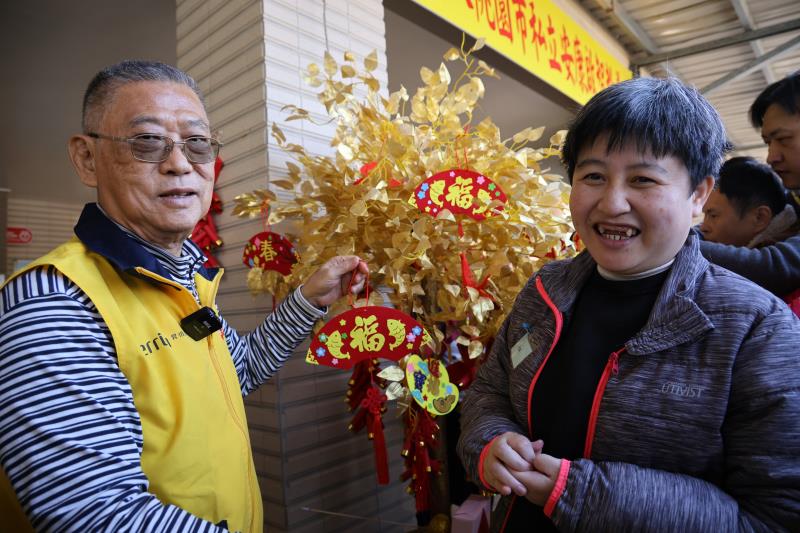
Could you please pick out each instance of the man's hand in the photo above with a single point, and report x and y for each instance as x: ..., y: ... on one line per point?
x: 539, y: 483
x: 508, y: 453
x: 330, y: 282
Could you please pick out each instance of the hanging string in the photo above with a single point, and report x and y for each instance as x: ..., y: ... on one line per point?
x: 464, y: 147
x: 350, y: 300
x: 265, y: 208
x: 325, y: 23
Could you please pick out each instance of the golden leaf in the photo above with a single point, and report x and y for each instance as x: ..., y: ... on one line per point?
x: 445, y: 214
x: 283, y: 184
x: 345, y: 151
x: 475, y: 349
x: 348, y: 71
x: 536, y: 134
x: 378, y: 195
x: 396, y: 149
x: 348, y: 56
x: 479, y: 43
x: 373, y: 84
x: 455, y: 290
x: 392, y: 373
x: 452, y: 54
x: 278, y: 134
x: 371, y: 61
x: 359, y: 208
x: 470, y: 330
x: 473, y: 294
x: 558, y: 137
x: 444, y: 75
x: 330, y: 64
x: 395, y: 391
x: 521, y: 136
x: 428, y: 76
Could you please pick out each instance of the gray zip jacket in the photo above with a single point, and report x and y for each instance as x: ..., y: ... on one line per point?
x: 695, y: 424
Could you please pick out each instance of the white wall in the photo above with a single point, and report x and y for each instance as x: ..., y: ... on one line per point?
x: 49, y: 222
x: 51, y: 49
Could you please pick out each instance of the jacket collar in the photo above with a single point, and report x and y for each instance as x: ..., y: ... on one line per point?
x: 101, y: 236
x: 675, y: 317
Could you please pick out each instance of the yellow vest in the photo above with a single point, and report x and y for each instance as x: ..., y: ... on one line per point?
x: 196, y: 452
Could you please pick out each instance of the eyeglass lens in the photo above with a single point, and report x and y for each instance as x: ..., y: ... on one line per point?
x: 155, y: 148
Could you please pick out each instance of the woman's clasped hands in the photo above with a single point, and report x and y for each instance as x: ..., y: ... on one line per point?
x: 513, y: 463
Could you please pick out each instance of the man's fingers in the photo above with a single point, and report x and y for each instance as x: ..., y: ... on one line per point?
x: 342, y: 264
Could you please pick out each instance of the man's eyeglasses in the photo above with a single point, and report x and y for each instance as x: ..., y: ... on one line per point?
x: 152, y: 148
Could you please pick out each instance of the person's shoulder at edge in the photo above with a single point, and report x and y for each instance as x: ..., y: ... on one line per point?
x: 41, y: 281
x: 720, y: 290
x: 775, y: 267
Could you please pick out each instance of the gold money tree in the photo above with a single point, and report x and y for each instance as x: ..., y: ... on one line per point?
x: 452, y: 218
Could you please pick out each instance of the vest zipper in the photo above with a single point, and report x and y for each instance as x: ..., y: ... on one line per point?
x: 218, y: 371
x: 213, y: 354
x: 612, y: 367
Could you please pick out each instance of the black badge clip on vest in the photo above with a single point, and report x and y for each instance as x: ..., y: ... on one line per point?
x: 201, y: 324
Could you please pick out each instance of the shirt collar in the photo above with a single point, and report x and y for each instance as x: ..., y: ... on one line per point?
x: 126, y: 250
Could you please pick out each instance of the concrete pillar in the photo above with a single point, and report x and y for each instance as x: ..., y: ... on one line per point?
x: 248, y: 57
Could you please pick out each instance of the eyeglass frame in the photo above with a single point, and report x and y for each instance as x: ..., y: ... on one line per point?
x: 170, y: 145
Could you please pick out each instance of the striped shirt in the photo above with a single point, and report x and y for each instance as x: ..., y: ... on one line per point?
x: 70, y: 436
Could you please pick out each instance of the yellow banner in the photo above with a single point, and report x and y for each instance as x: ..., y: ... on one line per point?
x: 540, y: 38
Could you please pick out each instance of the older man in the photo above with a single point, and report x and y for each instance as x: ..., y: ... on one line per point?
x: 120, y: 385
x: 776, y: 111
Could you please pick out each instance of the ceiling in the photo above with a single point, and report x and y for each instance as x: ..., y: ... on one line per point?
x: 696, y: 41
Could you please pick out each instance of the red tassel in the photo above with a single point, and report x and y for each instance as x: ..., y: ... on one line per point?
x: 373, y: 405
x: 421, y: 433
x: 368, y: 402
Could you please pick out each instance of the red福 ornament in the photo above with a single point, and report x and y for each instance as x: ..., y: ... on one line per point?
x: 460, y: 191
x: 370, y: 332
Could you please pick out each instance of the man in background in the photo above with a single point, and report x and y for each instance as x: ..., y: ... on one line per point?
x: 776, y: 111
x: 748, y: 206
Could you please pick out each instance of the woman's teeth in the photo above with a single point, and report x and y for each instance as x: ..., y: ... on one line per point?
x: 617, y: 234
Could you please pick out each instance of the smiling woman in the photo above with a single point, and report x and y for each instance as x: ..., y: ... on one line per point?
x: 631, y: 209
x: 558, y: 407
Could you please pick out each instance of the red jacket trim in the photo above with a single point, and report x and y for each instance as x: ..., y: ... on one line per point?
x: 559, y: 324
x: 480, y: 464
x: 611, y: 368
x: 558, y: 489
